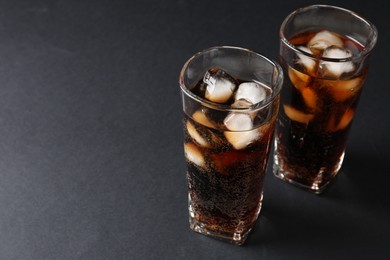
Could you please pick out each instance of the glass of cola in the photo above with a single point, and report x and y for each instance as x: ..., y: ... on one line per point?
x: 230, y: 99
x: 324, y: 52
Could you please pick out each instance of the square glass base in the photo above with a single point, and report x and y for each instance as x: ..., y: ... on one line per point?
x: 237, y: 237
x: 310, y: 177
x: 315, y: 187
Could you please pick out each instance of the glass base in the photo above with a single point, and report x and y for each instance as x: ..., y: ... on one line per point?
x: 313, y: 188
x: 233, y: 238
x: 238, y: 237
x: 317, y: 182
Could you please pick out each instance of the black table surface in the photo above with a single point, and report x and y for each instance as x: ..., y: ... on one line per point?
x: 91, y: 153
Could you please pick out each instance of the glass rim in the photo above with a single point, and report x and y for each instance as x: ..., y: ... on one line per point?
x: 364, y: 52
x: 223, y: 107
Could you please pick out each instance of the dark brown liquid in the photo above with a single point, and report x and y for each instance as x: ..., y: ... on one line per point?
x: 225, y: 187
x: 228, y: 190
x: 315, y: 118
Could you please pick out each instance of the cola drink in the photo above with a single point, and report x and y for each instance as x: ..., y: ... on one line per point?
x: 316, y: 116
x: 228, y: 131
x: 324, y: 74
x: 226, y: 180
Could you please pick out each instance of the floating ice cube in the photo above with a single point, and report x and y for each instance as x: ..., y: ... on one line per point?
x: 241, y: 103
x: 345, y: 120
x: 298, y: 79
x: 242, y: 123
x: 310, y: 97
x: 335, y: 69
x: 200, y: 117
x: 238, y: 122
x: 251, y: 92
x: 194, y: 155
x: 220, y: 85
x: 296, y: 115
x: 337, y: 53
x: 304, y: 60
x: 323, y: 40
x: 240, y: 140
x: 343, y: 89
x: 195, y: 135
x: 212, y: 139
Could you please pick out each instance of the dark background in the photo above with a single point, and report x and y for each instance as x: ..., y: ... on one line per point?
x: 91, y: 155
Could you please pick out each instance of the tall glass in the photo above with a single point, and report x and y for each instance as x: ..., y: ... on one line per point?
x: 324, y: 52
x: 227, y: 140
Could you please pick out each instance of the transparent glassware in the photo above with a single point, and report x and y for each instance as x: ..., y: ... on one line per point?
x: 225, y: 166
x: 324, y: 52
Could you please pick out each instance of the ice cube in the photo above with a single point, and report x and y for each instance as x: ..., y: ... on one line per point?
x: 251, y: 92
x: 241, y: 103
x: 240, y: 140
x: 296, y: 115
x: 310, y: 97
x: 200, y: 117
x: 242, y: 123
x: 343, y: 89
x: 306, y: 61
x: 335, y: 69
x: 345, y: 120
x: 193, y: 154
x: 195, y: 135
x: 220, y: 85
x: 323, y: 40
x: 298, y: 79
x: 238, y: 121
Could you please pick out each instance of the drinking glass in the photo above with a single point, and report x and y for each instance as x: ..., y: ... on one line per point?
x: 230, y: 98
x: 324, y: 52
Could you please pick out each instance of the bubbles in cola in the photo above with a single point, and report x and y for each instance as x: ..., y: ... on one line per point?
x: 227, y: 152
x: 319, y: 102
